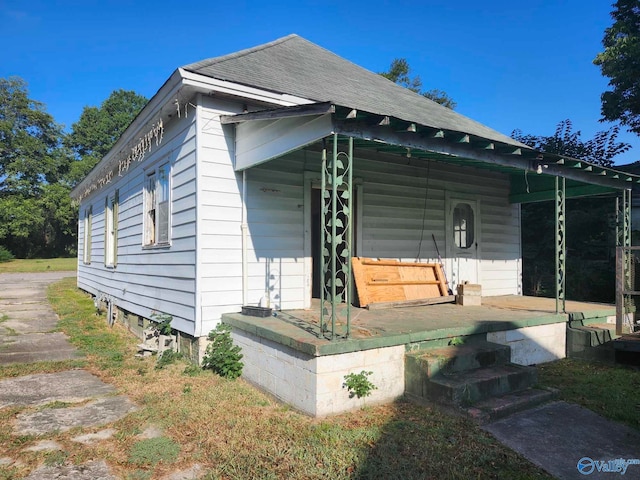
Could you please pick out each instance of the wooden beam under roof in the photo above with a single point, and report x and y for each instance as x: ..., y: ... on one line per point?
x: 506, y: 157
x: 277, y: 113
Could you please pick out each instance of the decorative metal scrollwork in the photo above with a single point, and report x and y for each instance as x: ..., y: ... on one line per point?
x: 336, y: 236
x: 561, y: 246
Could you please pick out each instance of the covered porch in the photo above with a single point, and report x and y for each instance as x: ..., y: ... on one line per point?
x: 340, y: 136
x: 289, y: 355
x: 443, y: 324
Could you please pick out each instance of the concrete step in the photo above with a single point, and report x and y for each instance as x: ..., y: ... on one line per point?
x: 505, y: 405
x: 629, y: 342
x: 467, y: 388
x: 591, y: 342
x: 458, y: 358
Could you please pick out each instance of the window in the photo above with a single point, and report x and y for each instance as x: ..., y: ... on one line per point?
x: 463, y: 225
x: 156, y: 206
x: 111, y: 230
x: 86, y: 253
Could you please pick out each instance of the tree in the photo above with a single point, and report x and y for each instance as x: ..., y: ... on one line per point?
x: 588, y: 223
x: 600, y: 150
x: 29, y: 141
x: 620, y: 62
x: 99, y: 128
x: 36, y: 215
x: 399, y: 73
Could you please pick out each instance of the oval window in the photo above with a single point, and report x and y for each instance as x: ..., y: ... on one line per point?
x: 463, y: 229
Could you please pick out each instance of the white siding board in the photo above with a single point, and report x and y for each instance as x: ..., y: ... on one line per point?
x: 148, y: 279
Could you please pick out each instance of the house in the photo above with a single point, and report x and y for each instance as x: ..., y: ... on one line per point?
x: 252, y: 179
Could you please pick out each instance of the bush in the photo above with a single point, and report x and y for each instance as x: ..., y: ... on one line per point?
x: 5, y: 255
x: 222, y: 356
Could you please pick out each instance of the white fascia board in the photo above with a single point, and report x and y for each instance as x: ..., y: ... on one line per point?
x: 151, y: 111
x: 162, y: 105
x: 214, y: 85
x: 258, y: 141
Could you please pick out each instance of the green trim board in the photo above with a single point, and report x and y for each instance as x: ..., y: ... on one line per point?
x: 306, y: 338
x: 530, y: 187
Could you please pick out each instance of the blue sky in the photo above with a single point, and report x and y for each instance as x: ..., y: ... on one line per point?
x: 507, y: 64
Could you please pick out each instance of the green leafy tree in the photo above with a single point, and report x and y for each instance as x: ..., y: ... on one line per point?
x: 36, y: 215
x: 600, y: 150
x: 399, y: 72
x: 620, y: 62
x: 98, y: 129
x: 29, y: 141
x: 588, y: 223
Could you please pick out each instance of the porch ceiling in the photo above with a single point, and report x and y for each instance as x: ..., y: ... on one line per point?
x: 532, y: 172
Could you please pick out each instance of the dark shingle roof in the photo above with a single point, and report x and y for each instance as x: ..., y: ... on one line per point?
x: 295, y: 66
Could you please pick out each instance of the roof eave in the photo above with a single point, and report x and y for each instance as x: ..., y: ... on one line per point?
x: 412, y: 135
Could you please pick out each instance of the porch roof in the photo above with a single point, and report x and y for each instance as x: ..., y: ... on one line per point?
x: 268, y: 134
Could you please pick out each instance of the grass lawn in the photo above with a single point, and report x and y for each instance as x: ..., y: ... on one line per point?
x: 611, y: 391
x: 236, y: 432
x: 39, y: 265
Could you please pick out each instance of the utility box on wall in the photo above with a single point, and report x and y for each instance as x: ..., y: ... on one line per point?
x: 469, y: 294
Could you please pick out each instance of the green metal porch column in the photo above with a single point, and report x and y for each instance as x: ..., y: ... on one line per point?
x: 623, y: 219
x: 561, y: 245
x: 336, y: 238
x: 624, y: 283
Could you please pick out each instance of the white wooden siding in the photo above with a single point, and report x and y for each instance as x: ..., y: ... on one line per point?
x: 220, y: 203
x: 391, y: 226
x: 200, y: 276
x: 148, y: 280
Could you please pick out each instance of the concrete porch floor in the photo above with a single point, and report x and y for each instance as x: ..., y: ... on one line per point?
x: 299, y: 329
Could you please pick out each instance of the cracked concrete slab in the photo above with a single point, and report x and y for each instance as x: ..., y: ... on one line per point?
x: 90, y: 438
x: 44, y: 445
x: 96, y: 413
x: 69, y: 386
x: 559, y: 436
x: 192, y: 473
x: 26, y: 320
x: 151, y: 432
x: 95, y: 470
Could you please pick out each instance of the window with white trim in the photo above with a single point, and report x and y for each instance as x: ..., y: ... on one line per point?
x: 111, y: 230
x: 88, y: 217
x: 157, y: 199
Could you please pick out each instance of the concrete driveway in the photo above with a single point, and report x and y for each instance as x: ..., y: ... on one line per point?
x: 27, y: 335
x: 27, y: 322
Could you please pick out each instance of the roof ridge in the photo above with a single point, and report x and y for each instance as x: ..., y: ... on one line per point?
x: 241, y: 53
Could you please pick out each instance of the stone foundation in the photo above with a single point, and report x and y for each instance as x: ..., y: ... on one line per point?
x: 192, y: 347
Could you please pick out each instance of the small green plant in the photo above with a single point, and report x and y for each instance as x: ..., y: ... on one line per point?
x: 55, y: 458
x: 222, y: 356
x: 5, y: 255
x: 139, y: 475
x: 192, y: 370
x: 455, y: 341
x: 358, y: 384
x: 168, y: 357
x: 163, y: 322
x: 152, y: 451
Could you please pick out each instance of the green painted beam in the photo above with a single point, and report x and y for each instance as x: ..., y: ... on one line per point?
x: 571, y: 192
